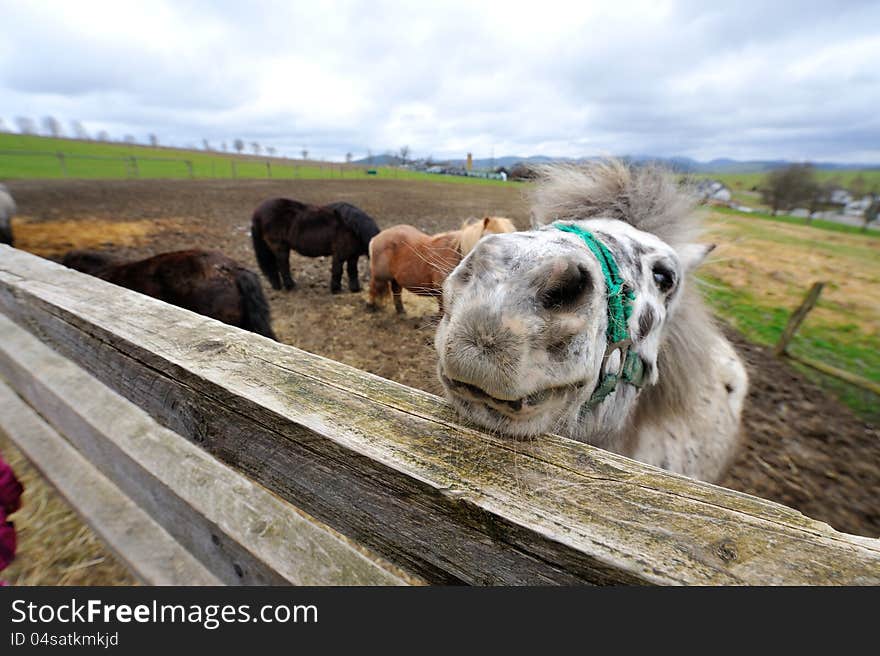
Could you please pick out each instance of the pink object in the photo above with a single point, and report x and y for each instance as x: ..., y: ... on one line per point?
x: 10, y: 501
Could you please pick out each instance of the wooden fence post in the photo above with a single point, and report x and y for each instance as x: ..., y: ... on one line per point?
x: 189, y: 165
x: 62, y: 163
x: 268, y: 169
x: 797, y: 318
x: 794, y: 322
x: 134, y: 167
x: 234, y: 171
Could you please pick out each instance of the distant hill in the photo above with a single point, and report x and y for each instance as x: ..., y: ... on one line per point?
x: 677, y: 163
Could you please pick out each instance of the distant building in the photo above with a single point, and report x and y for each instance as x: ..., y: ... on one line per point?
x: 839, y: 197
x: 713, y: 190
x: 858, y: 207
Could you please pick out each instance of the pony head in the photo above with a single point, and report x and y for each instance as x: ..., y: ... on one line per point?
x: 560, y: 328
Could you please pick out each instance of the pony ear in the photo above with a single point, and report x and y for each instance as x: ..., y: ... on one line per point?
x: 485, y: 222
x: 692, y: 255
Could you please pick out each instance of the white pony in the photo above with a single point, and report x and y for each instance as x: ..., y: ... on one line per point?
x: 590, y: 326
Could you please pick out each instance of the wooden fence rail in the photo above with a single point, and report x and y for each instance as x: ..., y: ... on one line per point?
x: 268, y: 464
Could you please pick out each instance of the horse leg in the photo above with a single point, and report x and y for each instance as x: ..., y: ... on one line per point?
x: 282, y: 255
x: 395, y: 292
x: 354, y: 284
x: 336, y: 275
x: 378, y: 289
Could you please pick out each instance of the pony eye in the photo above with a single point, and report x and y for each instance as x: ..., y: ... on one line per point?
x: 663, y: 278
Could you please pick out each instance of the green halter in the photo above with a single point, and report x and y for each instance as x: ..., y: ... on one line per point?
x: 620, y: 300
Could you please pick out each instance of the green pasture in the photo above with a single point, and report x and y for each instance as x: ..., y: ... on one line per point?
x: 758, y: 282
x: 818, y: 224
x: 34, y: 157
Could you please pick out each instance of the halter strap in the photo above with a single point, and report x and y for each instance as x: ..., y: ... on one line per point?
x: 619, y: 304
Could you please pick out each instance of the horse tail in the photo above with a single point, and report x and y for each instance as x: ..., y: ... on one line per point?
x: 265, y: 257
x: 6, y: 231
x: 7, y: 209
x: 255, y: 312
x: 359, y: 222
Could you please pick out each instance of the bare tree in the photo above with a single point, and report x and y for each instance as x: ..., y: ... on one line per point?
x: 238, y: 144
x: 25, y: 125
x: 52, y: 126
x: 206, y: 144
x: 255, y: 146
x: 270, y: 150
x: 348, y: 158
x: 788, y: 187
x: 369, y: 157
x: 857, y: 186
x: 103, y: 136
x: 79, y: 130
x: 154, y: 140
x: 871, y: 213
x: 305, y: 153
x: 404, y: 154
x: 223, y: 146
x: 820, y: 198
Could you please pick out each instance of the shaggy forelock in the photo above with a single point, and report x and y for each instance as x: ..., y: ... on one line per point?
x: 646, y: 197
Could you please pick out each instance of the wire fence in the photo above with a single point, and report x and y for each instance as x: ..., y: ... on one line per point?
x: 58, y: 164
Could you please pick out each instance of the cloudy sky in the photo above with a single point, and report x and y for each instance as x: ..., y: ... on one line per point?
x: 793, y: 80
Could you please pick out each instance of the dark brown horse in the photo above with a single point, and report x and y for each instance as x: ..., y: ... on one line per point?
x: 338, y: 229
x: 206, y: 282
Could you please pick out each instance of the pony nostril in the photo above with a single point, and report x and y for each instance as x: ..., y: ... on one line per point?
x: 564, y: 288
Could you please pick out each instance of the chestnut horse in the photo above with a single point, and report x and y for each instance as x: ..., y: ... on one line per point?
x: 206, y: 282
x: 338, y: 229
x: 404, y: 257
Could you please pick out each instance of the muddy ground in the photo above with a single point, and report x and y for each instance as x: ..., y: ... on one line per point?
x: 803, y: 448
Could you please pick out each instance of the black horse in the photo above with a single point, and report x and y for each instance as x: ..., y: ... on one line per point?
x: 338, y: 229
x: 206, y: 282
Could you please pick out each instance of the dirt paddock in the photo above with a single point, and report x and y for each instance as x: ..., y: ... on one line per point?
x: 802, y: 447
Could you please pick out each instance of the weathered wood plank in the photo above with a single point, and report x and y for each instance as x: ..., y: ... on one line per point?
x: 392, y: 468
x: 240, y: 531
x: 139, y: 542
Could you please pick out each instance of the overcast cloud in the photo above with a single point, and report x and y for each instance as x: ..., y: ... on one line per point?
x: 747, y: 80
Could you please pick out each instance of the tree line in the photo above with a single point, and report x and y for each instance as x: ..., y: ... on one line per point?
x: 797, y: 186
x: 51, y: 127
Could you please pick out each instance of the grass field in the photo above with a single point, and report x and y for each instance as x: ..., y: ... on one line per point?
x: 764, y: 266
x: 820, y: 224
x: 35, y: 157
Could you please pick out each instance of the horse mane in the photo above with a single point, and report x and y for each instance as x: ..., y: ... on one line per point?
x: 356, y: 220
x: 648, y: 198
x: 472, y: 230
x: 88, y: 261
